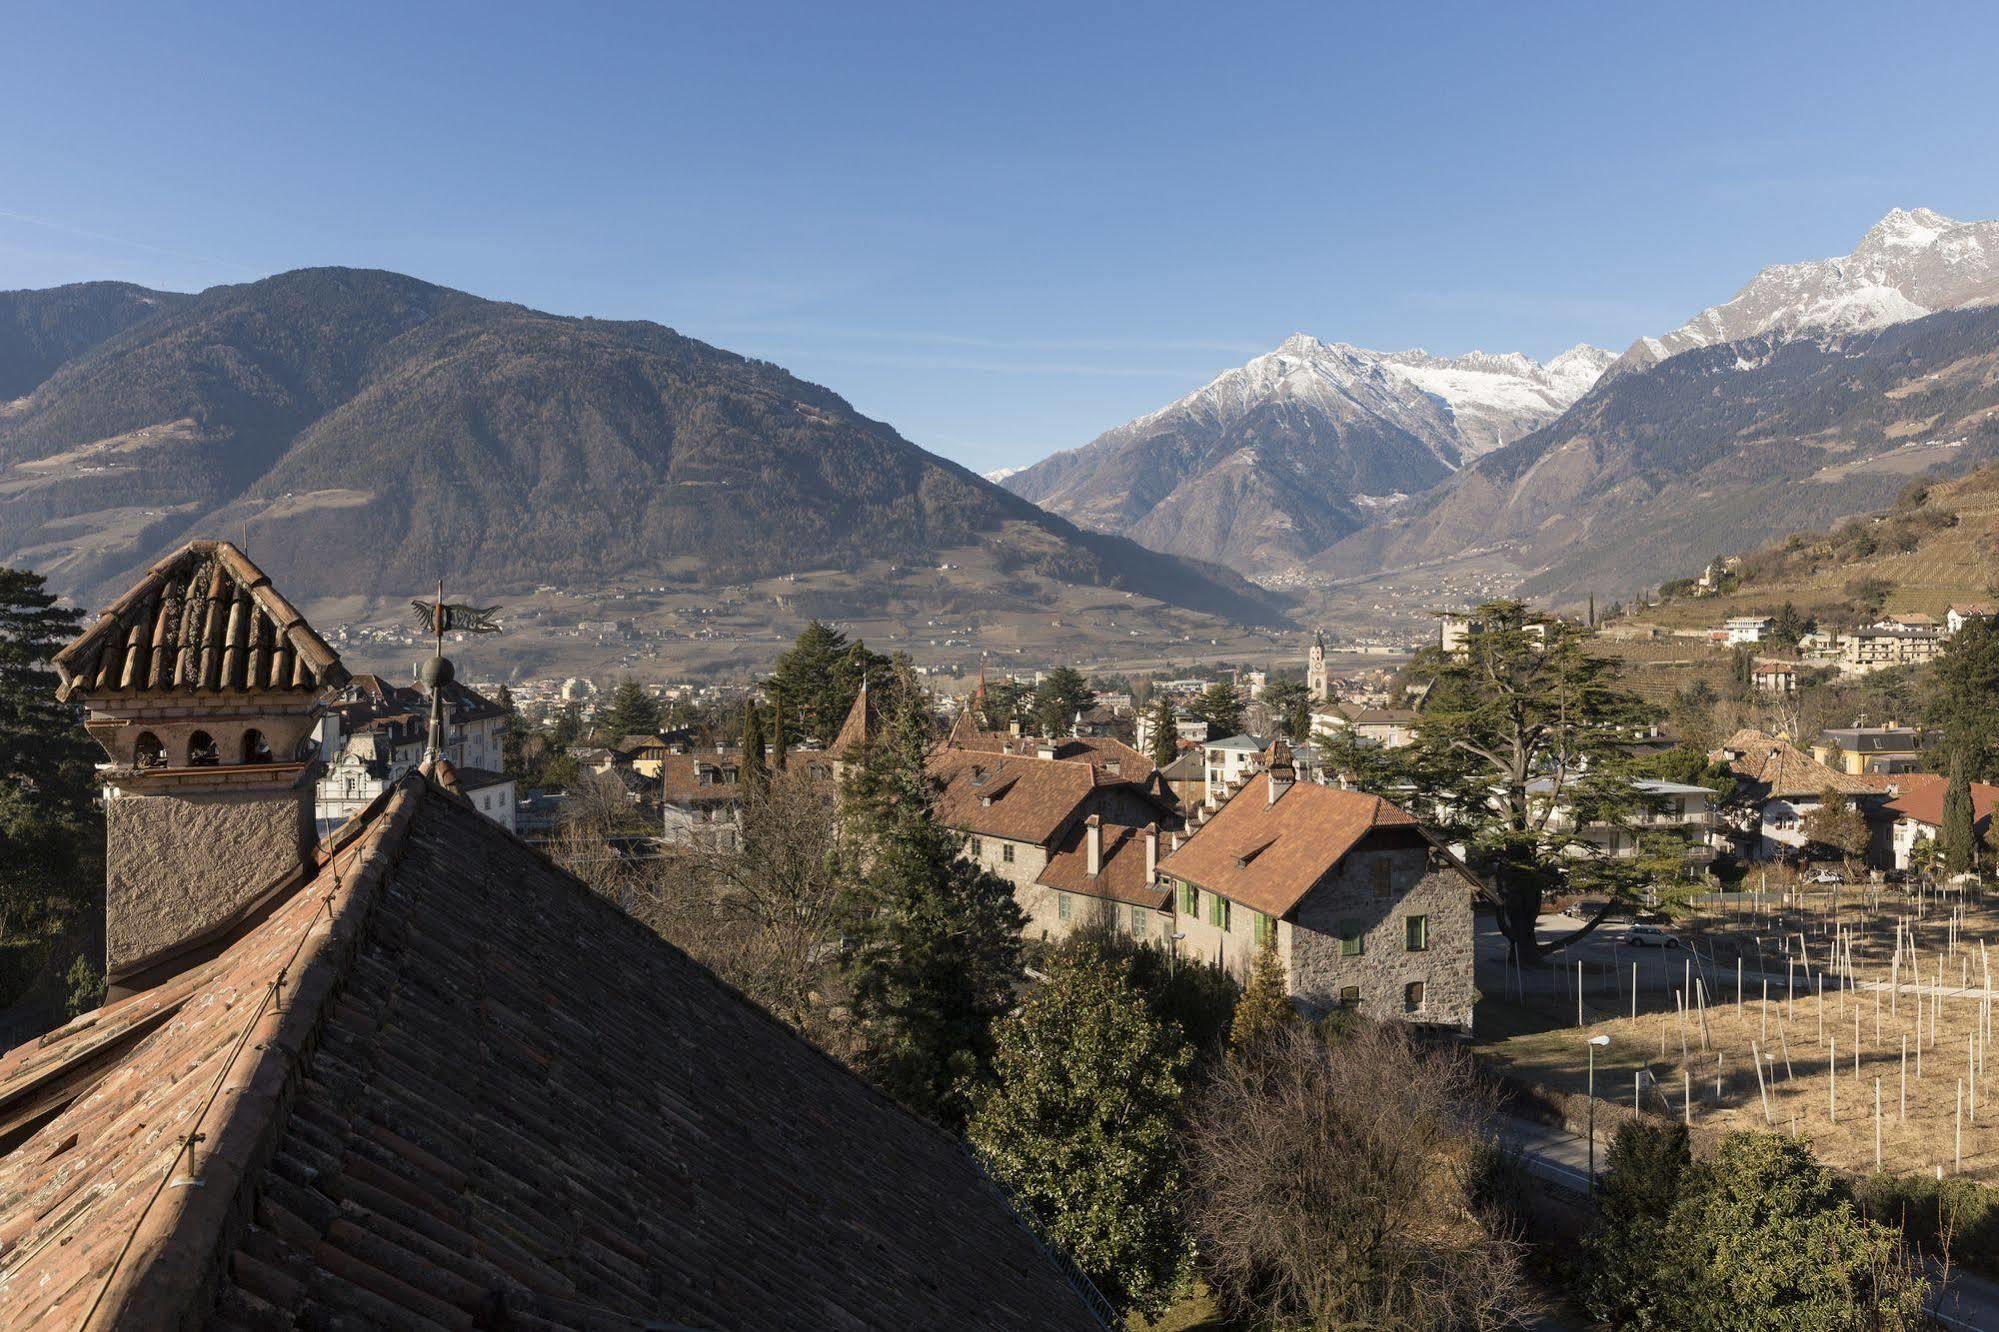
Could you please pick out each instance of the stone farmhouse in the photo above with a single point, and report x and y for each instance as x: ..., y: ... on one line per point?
x: 1366, y: 908
x: 1076, y: 845
x: 416, y: 1075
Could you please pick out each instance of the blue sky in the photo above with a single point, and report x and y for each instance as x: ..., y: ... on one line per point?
x: 1002, y: 229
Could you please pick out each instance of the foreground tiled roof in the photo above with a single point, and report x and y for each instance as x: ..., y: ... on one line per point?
x: 1779, y: 770
x: 481, y: 1096
x: 1120, y: 876
x: 204, y: 617
x: 1268, y: 856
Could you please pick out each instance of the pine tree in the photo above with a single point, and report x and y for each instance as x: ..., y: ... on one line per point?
x: 1080, y: 1126
x: 1646, y: 1171
x: 49, y: 822
x: 815, y: 680
x: 1221, y: 708
x: 1265, y: 1005
x: 1960, y: 839
x: 751, y: 768
x: 1165, y: 746
x: 1964, y: 697
x: 632, y: 711
x: 934, y: 939
x: 1057, y: 700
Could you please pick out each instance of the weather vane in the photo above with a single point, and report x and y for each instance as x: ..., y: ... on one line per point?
x: 443, y: 617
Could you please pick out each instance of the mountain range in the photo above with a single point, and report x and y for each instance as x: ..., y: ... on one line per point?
x: 1817, y: 392
x: 370, y: 432
x: 1812, y: 393
x: 1911, y: 263
x: 1270, y: 463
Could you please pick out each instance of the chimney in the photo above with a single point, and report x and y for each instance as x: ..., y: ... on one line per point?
x: 1151, y: 852
x: 1282, y: 771
x: 1093, y: 842
x: 203, y: 687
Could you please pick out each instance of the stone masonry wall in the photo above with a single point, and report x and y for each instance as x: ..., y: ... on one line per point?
x: 177, y: 864
x: 1419, y: 883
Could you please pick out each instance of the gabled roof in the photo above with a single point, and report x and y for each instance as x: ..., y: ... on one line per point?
x: 444, y: 1084
x: 1120, y: 876
x: 1779, y: 770
x: 1009, y: 795
x: 1269, y: 855
x: 203, y: 618
x: 1923, y: 800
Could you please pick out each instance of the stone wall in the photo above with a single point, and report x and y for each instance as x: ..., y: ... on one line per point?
x: 1419, y: 882
x: 176, y: 864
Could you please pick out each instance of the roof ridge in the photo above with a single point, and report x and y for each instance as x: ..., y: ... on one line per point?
x: 178, y: 1233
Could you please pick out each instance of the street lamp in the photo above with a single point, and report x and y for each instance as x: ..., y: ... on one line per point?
x: 1173, y: 956
x: 1594, y: 1041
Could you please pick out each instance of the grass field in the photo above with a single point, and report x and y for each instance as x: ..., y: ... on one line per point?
x: 1822, y: 1051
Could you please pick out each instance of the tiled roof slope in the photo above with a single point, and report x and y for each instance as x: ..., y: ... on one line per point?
x: 1780, y: 770
x: 488, y: 1098
x: 1120, y: 876
x: 1007, y: 795
x: 1923, y: 801
x: 204, y: 617
x: 1268, y: 856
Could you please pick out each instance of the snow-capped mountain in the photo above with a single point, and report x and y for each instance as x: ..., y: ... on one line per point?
x: 1911, y: 263
x: 999, y: 474
x: 1272, y: 461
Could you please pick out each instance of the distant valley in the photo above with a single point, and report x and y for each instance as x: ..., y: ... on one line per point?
x: 369, y: 433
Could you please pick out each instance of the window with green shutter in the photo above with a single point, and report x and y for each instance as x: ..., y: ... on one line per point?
x: 1190, y: 899
x: 1416, y: 932
x: 1265, y: 928
x: 1062, y: 906
x: 1218, y: 912
x: 1350, y: 938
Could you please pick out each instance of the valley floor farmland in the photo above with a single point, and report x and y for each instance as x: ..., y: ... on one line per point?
x: 1827, y: 1034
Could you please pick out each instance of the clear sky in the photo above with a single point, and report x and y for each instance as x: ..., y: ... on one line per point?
x: 1002, y: 228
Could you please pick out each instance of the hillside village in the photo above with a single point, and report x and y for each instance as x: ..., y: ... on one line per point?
x: 903, y: 669
x: 1301, y: 855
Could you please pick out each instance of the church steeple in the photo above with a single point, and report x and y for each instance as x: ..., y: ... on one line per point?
x: 1317, y: 682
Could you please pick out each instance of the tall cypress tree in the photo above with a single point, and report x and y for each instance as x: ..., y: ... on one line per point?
x: 1164, y: 736
x: 780, y: 747
x: 934, y: 939
x: 1960, y: 842
x: 755, y: 774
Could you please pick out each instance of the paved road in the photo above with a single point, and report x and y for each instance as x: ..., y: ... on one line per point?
x: 1966, y: 1302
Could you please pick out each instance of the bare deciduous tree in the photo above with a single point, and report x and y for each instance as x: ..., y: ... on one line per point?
x: 1339, y: 1186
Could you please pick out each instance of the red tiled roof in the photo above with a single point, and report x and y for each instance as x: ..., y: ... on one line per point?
x: 481, y: 1096
x: 205, y: 618
x: 1106, y: 753
x: 1121, y: 875
x: 1922, y: 801
x: 680, y: 777
x: 1007, y: 795
x: 855, y: 730
x: 1268, y: 856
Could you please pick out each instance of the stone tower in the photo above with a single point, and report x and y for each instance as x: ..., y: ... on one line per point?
x: 1317, y: 683
x: 203, y: 686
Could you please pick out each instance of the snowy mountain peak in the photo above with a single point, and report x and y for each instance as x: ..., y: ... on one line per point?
x: 1913, y: 262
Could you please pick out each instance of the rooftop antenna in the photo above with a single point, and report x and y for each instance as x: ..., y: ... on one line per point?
x: 443, y: 617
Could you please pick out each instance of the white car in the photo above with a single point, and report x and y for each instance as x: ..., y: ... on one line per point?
x: 1650, y: 936
x: 1827, y: 876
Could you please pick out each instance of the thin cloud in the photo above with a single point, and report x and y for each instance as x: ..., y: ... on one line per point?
x: 85, y: 233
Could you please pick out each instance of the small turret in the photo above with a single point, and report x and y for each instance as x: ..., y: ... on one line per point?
x: 203, y: 686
